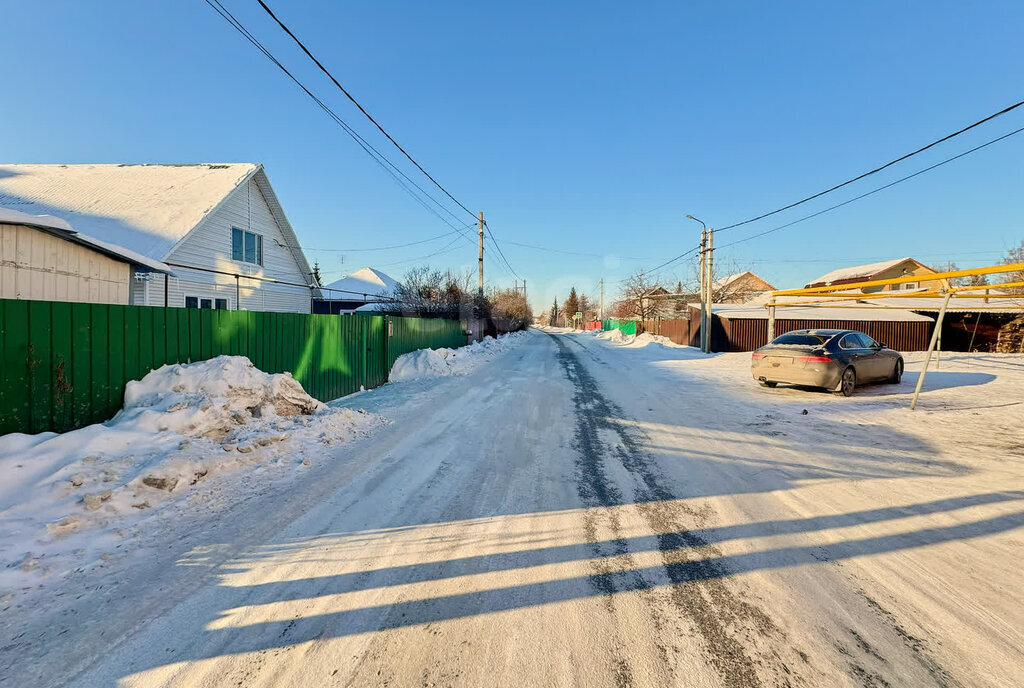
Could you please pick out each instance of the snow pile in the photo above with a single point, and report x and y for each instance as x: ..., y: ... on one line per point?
x: 181, y: 424
x: 615, y: 336
x: 637, y: 341
x: 440, y: 362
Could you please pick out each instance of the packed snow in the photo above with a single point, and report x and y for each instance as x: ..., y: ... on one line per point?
x: 639, y: 341
x: 180, y: 425
x: 441, y: 362
x: 583, y: 509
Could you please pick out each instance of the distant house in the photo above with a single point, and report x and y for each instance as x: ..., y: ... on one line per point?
x: 219, y: 227
x: 739, y: 287
x: 359, y: 291
x: 888, y: 269
x: 736, y: 288
x: 42, y: 258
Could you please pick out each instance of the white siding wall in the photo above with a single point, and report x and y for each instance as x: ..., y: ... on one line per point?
x: 209, y: 246
x: 37, y: 265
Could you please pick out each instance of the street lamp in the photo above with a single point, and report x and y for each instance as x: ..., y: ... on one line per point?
x: 705, y: 288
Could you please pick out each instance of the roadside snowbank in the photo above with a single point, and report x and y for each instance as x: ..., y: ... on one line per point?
x: 181, y: 424
x: 440, y: 362
x: 637, y: 341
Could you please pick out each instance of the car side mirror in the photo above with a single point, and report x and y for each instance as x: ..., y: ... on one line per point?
x: 878, y: 345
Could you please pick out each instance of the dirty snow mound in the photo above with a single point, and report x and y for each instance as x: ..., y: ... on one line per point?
x: 616, y: 336
x: 462, y: 361
x: 181, y: 424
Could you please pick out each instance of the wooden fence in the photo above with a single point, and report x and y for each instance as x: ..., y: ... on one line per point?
x: 65, y: 365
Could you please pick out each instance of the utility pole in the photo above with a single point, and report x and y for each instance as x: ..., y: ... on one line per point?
x: 480, y: 280
x: 602, y: 300
x: 711, y: 285
x: 703, y: 287
x: 704, y: 319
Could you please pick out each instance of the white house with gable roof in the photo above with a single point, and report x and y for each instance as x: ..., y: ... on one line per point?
x: 219, y: 227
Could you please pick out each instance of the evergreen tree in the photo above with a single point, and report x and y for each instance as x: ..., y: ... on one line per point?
x: 572, y: 304
x: 554, y: 313
x: 316, y: 272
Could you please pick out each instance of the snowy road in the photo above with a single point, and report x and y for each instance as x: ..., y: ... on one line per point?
x: 578, y: 513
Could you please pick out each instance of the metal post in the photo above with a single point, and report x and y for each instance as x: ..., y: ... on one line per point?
x: 771, y: 321
x: 931, y: 347
x: 166, y: 290
x: 238, y: 295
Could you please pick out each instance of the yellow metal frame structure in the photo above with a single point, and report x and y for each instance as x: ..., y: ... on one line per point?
x: 838, y: 294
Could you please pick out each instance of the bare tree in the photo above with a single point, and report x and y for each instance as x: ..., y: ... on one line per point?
x: 1014, y: 255
x: 431, y: 293
x: 509, y: 310
x: 637, y: 298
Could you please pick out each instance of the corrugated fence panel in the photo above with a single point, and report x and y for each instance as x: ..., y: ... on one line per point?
x: 65, y: 365
x: 749, y: 334
x: 679, y: 331
x: 623, y: 326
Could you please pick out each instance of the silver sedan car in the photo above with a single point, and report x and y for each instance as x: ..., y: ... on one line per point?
x: 837, y: 360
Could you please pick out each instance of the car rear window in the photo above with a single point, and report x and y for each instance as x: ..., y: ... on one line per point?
x: 803, y: 339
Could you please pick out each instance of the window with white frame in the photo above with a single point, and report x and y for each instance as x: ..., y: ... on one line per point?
x: 203, y: 302
x: 246, y: 246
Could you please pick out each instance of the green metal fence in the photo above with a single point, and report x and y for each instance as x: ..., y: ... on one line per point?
x: 624, y: 326
x: 65, y: 365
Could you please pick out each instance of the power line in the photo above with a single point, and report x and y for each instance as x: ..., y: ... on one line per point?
x: 361, y: 108
x: 367, y: 147
x: 500, y: 252
x: 568, y: 253
x: 877, y: 169
x: 838, y: 205
x: 385, y: 248
x: 873, y: 191
x: 445, y: 249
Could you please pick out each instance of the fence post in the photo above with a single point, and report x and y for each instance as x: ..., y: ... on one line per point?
x: 363, y: 332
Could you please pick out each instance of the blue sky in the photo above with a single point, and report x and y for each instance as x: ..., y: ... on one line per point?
x: 578, y: 127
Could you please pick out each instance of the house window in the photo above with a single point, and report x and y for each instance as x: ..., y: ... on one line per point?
x: 246, y: 247
x: 197, y: 302
x: 221, y: 304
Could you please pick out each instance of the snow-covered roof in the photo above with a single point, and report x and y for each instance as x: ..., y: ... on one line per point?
x: 61, y: 228
x: 727, y: 280
x: 360, y: 286
x: 144, y: 208
x: 857, y: 313
x: 858, y: 271
x: 925, y: 303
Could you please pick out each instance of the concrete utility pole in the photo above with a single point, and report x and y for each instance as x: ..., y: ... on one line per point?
x: 703, y: 279
x: 711, y: 288
x: 480, y: 281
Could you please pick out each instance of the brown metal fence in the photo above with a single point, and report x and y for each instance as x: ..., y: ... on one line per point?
x: 685, y: 332
x: 747, y: 334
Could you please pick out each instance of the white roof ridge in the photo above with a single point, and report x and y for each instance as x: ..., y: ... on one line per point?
x: 144, y: 207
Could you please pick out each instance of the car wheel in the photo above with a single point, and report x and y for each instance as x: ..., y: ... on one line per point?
x: 897, y: 372
x: 768, y: 384
x: 847, y: 383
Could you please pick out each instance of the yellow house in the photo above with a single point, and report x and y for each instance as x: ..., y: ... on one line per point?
x: 900, y: 267
x: 43, y: 258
